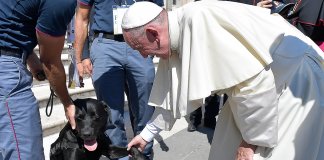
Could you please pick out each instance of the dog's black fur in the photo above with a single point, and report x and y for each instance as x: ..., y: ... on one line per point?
x: 91, y: 120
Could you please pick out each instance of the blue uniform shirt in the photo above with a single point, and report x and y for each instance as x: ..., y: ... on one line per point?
x: 103, y: 14
x: 19, y: 20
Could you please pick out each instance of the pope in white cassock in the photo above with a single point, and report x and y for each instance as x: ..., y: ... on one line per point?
x: 272, y: 73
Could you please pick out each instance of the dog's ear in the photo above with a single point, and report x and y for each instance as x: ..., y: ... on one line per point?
x: 79, y: 102
x: 107, y: 109
x: 110, y: 125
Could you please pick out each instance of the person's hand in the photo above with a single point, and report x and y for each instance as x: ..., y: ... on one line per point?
x: 245, y: 151
x: 70, y: 114
x: 265, y: 4
x: 87, y: 67
x: 79, y: 66
x: 137, y: 142
x: 35, y: 67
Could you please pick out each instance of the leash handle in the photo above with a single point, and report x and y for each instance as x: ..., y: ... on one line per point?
x: 50, y: 100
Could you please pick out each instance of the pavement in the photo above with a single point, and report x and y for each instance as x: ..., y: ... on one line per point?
x: 177, y: 144
x: 184, y: 145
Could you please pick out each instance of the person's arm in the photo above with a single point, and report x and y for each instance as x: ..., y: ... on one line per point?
x: 50, y: 49
x: 254, y: 104
x: 81, y: 33
x: 35, y: 67
x: 161, y: 120
x: 147, y: 135
x: 86, y: 62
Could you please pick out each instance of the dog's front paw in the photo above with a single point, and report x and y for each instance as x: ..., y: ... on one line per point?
x: 136, y: 154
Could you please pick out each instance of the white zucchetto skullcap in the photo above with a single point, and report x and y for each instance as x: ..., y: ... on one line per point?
x: 139, y: 14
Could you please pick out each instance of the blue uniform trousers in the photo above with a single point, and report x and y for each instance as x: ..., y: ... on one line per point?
x: 20, y: 124
x: 118, y: 69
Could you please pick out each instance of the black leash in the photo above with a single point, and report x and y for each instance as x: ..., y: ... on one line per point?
x: 50, y: 100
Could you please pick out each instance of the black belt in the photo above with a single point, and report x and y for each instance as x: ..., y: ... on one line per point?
x: 11, y: 52
x: 118, y: 37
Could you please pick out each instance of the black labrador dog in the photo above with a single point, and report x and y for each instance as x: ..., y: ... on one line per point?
x: 88, y: 141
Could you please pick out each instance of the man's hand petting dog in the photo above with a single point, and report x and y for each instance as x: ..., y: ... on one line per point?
x: 137, y: 142
x: 88, y: 141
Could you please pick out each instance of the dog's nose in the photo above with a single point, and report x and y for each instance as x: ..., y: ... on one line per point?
x: 86, y: 134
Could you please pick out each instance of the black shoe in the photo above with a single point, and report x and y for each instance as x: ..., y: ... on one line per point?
x: 192, y: 127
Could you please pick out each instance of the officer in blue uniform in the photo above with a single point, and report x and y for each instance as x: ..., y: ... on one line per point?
x: 115, y: 68
x: 23, y: 25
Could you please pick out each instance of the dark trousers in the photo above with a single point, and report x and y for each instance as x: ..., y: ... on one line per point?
x: 211, y: 111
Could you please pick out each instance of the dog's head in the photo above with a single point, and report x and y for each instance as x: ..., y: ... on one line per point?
x: 91, y: 118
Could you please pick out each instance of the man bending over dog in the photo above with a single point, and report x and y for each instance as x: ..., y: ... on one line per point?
x: 272, y: 73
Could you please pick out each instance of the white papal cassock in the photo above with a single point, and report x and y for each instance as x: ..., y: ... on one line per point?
x: 272, y: 73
